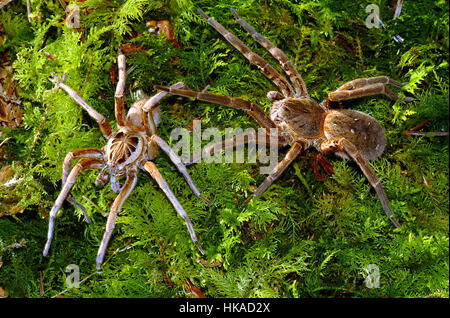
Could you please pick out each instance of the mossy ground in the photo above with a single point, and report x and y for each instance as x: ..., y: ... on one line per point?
x: 302, y: 238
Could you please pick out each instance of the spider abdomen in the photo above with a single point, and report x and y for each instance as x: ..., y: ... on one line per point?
x: 134, y: 116
x: 357, y: 127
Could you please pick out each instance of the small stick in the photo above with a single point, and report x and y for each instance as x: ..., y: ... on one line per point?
x: 414, y: 132
x: 425, y: 181
x: 4, y: 141
x: 36, y: 137
x: 41, y: 284
x: 29, y: 10
x: 430, y: 133
x: 95, y: 205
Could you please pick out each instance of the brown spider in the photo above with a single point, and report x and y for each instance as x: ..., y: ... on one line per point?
x: 301, y: 122
x: 133, y: 146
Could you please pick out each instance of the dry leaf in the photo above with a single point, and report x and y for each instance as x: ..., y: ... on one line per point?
x: 194, y: 290
x: 41, y: 284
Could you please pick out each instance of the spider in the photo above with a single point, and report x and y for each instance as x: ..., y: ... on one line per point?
x: 132, y: 147
x: 301, y: 122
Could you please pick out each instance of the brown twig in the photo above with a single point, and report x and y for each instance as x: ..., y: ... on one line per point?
x: 414, y: 131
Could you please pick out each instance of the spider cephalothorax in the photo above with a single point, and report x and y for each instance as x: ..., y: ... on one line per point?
x: 300, y: 121
x: 298, y: 118
x: 124, y: 148
x: 129, y: 149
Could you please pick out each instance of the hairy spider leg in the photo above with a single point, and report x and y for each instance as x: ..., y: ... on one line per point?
x: 286, y: 65
x: 151, y: 168
x: 361, y: 82
x: 119, y: 97
x: 342, y: 144
x: 361, y: 87
x: 101, y: 120
x: 150, y: 105
x: 241, y: 139
x: 293, y: 152
x: 180, y: 166
x: 125, y: 192
x: 265, y: 68
x: 85, y: 153
x: 67, y: 186
x: 254, y: 111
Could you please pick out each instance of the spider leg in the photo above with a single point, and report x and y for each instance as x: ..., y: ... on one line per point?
x: 102, y: 178
x: 296, y: 79
x: 78, y: 205
x: 366, y: 87
x: 180, y: 166
x: 361, y: 82
x: 293, y: 152
x: 67, y: 186
x: 254, y: 111
x: 85, y: 153
x: 374, y: 89
x: 244, y: 138
x: 342, y: 144
x: 116, y: 186
x: 153, y: 102
x: 128, y: 187
x: 101, y: 120
x: 265, y: 68
x: 120, y: 88
x: 151, y: 168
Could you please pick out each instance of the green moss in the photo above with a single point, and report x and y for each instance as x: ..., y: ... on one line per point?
x: 303, y: 237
